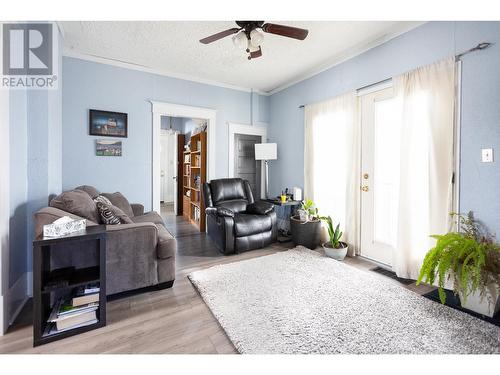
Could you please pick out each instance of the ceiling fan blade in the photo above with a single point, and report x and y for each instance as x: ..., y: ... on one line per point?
x: 255, y: 54
x: 288, y: 31
x: 222, y: 34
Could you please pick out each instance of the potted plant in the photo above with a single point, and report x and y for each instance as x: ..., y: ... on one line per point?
x: 472, y: 260
x: 306, y: 226
x: 334, y: 248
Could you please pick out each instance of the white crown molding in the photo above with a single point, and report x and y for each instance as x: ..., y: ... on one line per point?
x: 142, y: 68
x: 347, y: 55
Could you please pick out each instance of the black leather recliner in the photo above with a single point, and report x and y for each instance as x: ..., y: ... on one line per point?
x: 235, y: 221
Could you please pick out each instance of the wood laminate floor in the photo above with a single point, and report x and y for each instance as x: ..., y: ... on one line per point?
x: 174, y: 320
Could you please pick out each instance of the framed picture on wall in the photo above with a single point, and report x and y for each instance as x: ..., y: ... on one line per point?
x: 107, y: 124
x: 104, y: 147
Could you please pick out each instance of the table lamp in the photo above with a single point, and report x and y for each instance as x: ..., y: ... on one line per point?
x: 266, y: 151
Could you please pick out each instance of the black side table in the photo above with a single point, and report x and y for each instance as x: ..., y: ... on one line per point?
x: 284, y: 210
x: 89, y: 245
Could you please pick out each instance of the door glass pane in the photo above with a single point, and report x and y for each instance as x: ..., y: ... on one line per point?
x: 386, y: 171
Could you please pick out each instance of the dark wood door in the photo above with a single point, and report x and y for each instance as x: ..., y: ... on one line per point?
x: 245, y: 165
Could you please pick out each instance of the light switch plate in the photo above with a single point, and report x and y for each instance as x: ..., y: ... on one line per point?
x: 487, y: 155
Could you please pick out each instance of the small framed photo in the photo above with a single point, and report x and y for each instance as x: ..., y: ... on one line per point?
x: 103, y: 147
x: 107, y: 124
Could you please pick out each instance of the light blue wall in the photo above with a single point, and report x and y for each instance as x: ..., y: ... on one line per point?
x: 428, y: 43
x: 99, y: 86
x: 18, y: 189
x: 35, y: 167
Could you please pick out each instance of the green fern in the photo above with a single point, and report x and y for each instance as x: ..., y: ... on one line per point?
x: 470, y: 257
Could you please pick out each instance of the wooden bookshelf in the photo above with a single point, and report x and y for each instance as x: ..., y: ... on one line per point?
x: 186, y: 184
x: 194, y: 175
x: 198, y: 177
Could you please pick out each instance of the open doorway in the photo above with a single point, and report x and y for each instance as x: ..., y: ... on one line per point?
x: 175, y: 137
x: 242, y: 163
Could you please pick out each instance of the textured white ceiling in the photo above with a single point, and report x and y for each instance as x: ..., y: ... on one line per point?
x: 173, y: 47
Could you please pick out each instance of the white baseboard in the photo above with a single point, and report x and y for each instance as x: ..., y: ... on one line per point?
x: 17, y: 297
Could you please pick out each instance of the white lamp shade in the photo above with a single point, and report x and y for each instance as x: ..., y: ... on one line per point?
x: 266, y: 151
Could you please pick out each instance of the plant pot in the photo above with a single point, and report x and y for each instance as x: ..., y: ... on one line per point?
x: 488, y: 305
x: 307, y: 234
x: 337, y: 254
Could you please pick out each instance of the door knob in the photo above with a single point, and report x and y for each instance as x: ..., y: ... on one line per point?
x: 365, y: 188
x: 366, y: 176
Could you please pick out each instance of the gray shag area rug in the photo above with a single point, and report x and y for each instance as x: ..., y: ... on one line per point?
x: 299, y: 301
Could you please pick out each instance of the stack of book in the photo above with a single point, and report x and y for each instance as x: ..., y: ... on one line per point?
x: 78, y: 311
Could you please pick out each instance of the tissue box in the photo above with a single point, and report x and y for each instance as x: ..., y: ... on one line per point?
x: 63, y: 226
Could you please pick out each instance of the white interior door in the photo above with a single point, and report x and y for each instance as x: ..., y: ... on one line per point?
x: 163, y: 167
x: 380, y: 175
x: 174, y: 170
x: 168, y: 168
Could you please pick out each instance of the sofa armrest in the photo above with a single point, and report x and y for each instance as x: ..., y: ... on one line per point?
x: 48, y: 215
x: 131, y: 256
x: 219, y: 211
x: 137, y: 209
x: 260, y: 208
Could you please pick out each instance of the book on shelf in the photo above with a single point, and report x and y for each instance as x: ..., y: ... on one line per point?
x: 52, y: 328
x: 86, y: 294
x: 85, y: 299
x: 63, y: 310
x: 65, y: 316
x: 77, y: 320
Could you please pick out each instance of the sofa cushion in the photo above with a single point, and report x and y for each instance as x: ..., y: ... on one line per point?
x: 112, y: 215
x: 227, y: 189
x: 236, y: 205
x: 118, y: 199
x: 246, y: 225
x: 102, y: 199
x: 149, y: 217
x: 90, y: 190
x: 167, y: 245
x: 77, y: 202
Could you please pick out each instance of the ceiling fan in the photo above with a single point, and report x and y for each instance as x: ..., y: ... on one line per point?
x: 247, y: 35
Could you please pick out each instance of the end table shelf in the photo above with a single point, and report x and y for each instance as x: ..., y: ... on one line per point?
x: 52, y: 282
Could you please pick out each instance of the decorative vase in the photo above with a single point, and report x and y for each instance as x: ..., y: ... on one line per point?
x: 488, y: 305
x: 337, y: 254
x: 305, y: 233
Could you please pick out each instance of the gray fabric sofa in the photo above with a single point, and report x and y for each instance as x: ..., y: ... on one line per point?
x: 139, y: 254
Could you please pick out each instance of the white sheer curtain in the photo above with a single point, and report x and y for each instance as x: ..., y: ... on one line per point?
x: 427, y: 97
x: 332, y: 162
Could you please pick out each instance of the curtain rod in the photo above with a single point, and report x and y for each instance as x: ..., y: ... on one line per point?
x: 479, y: 47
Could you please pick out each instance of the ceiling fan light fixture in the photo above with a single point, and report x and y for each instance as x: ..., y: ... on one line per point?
x: 240, y: 40
x: 256, y: 38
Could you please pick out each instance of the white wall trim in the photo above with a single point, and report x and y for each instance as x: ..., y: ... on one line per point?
x: 179, y: 110
x: 4, y: 205
x: 235, y: 128
x: 146, y: 69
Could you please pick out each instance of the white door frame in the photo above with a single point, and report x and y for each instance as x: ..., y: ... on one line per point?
x: 179, y: 110
x: 4, y: 209
x: 235, y: 128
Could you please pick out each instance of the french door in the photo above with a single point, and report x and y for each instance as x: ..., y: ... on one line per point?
x: 380, y: 144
